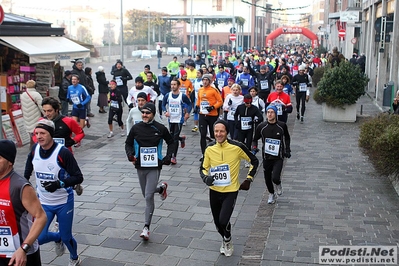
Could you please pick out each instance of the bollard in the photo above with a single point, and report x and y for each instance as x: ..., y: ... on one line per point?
x: 361, y: 109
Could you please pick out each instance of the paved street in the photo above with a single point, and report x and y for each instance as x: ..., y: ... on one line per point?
x: 332, y: 196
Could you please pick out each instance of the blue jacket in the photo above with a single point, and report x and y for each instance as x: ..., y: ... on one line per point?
x: 221, y: 76
x: 244, y: 79
x: 78, y: 95
x: 164, y: 84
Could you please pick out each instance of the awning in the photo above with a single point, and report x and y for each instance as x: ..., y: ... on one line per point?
x: 46, y: 49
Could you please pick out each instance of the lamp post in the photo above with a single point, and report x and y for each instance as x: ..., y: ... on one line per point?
x: 191, y: 29
x: 121, y: 44
x: 249, y: 26
x: 149, y: 29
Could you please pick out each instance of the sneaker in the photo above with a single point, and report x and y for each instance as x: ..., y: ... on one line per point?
x: 183, y: 141
x: 77, y: 145
x: 79, y: 189
x: 194, y: 129
x: 301, y: 119
x: 272, y: 198
x: 228, y: 248
x: 110, y: 135
x: 145, y: 234
x: 59, y: 248
x: 297, y: 116
x: 247, y: 165
x: 208, y: 139
x: 88, y: 125
x: 90, y: 115
x: 123, y: 133
x: 76, y: 262
x: 222, y: 248
x: 184, y: 123
x: 279, y: 189
x: 173, y: 160
x: 164, y: 194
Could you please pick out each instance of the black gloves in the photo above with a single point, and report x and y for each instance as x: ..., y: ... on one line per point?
x: 70, y: 101
x: 309, y: 85
x: 210, y: 108
x: 230, y: 102
x: 208, y: 180
x: 250, y: 122
x: 79, y: 105
x: 287, y: 154
x: 240, y: 83
x: 131, y: 105
x: 166, y: 160
x: 245, y: 185
x: 51, y: 186
x: 196, y: 109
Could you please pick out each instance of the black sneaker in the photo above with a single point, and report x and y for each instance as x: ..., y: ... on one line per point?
x: 297, y: 116
x: 301, y: 119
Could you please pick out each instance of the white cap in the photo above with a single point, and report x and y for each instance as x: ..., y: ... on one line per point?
x: 100, y: 68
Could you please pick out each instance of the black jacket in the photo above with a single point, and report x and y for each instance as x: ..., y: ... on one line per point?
x: 81, y: 74
x: 90, y: 85
x: 102, y: 82
x: 124, y: 74
x: 62, y: 93
x: 243, y: 111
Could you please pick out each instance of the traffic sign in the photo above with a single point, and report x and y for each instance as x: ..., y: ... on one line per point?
x: 233, y: 30
x: 353, y: 41
x: 341, y: 33
x: 1, y: 14
x: 232, y: 37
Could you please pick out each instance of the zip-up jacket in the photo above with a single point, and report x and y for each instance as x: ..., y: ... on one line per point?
x: 243, y: 111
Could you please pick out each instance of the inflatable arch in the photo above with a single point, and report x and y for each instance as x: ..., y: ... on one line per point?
x: 292, y: 30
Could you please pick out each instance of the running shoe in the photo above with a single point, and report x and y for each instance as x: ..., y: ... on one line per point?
x: 59, y: 248
x: 76, y: 262
x: 297, y: 116
x: 88, y: 122
x: 194, y: 129
x: 279, y: 189
x: 77, y: 145
x: 301, y: 119
x: 228, y: 248
x: 110, y: 135
x: 184, y: 123
x: 79, y: 189
x: 90, y: 115
x: 183, y: 141
x: 173, y: 160
x: 145, y: 234
x: 222, y: 248
x: 272, y: 198
x: 164, y: 193
x: 123, y: 133
x: 208, y: 139
x: 247, y: 165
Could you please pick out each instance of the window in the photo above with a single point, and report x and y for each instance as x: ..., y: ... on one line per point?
x: 218, y: 5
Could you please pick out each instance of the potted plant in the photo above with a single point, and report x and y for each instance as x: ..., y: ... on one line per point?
x: 338, y: 90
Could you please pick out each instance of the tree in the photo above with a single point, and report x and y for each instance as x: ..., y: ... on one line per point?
x: 84, y: 35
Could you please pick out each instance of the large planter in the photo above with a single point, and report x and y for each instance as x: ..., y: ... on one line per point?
x: 339, y: 114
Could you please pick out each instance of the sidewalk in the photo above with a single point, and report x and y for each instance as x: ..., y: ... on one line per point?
x: 331, y: 196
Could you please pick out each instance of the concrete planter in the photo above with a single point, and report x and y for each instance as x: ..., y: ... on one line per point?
x: 338, y: 114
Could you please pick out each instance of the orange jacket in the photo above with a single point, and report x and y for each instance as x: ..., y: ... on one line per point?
x: 186, y: 84
x: 212, y: 96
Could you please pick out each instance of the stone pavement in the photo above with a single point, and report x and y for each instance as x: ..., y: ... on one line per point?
x: 331, y: 196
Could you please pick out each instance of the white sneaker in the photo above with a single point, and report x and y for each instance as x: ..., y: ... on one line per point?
x: 74, y: 262
x: 145, y: 234
x: 228, y: 248
x: 279, y: 189
x: 247, y: 165
x: 272, y: 198
x: 222, y: 248
x: 110, y: 135
x: 123, y: 133
x: 59, y: 248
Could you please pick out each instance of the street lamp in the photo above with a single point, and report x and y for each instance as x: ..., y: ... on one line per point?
x: 149, y: 29
x: 121, y: 44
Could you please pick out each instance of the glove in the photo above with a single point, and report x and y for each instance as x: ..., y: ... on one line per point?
x: 210, y: 108
x: 70, y: 101
x: 196, y: 109
x: 287, y: 154
x: 309, y: 85
x: 166, y: 160
x: 256, y: 121
x: 250, y: 122
x: 79, y: 105
x: 131, y: 105
x: 51, y: 186
x: 230, y: 102
x: 240, y: 83
x: 245, y: 185
x: 208, y: 180
x: 132, y: 159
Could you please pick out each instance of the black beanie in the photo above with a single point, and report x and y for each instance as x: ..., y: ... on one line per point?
x: 8, y: 150
x: 224, y: 123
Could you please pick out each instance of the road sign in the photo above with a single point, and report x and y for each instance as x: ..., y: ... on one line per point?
x: 232, y: 37
x: 341, y: 33
x: 1, y: 14
x: 354, y: 40
x: 233, y: 30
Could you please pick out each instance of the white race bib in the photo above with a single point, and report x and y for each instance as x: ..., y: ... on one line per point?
x: 272, y: 146
x: 148, y: 156
x: 245, y: 82
x: 303, y: 87
x: 220, y: 83
x: 119, y: 81
x: 60, y: 141
x: 75, y: 99
x: 279, y: 109
x: 294, y: 72
x: 7, y: 246
x: 114, y: 104
x: 221, y: 174
x: 264, y: 84
x: 244, y: 123
x: 203, y: 106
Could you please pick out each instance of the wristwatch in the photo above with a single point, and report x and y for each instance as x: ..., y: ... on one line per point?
x: 62, y: 184
x: 25, y: 247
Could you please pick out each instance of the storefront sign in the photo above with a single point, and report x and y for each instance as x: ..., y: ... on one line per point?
x: 62, y: 57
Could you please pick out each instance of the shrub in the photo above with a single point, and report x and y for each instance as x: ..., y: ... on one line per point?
x: 379, y: 138
x: 343, y: 84
x: 317, y: 75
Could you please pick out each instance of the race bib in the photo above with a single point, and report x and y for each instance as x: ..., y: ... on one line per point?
x: 294, y: 72
x: 220, y: 83
x: 272, y: 146
x: 203, y: 106
x: 244, y: 123
x: 119, y: 81
x: 264, y: 84
x: 75, y: 99
x: 183, y: 90
x: 7, y: 247
x: 279, y: 109
x: 245, y: 82
x: 114, y: 104
x: 60, y: 141
x: 303, y: 87
x: 174, y: 109
x: 221, y: 175
x: 148, y: 157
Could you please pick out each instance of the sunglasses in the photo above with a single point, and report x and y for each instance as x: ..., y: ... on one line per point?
x: 146, y: 112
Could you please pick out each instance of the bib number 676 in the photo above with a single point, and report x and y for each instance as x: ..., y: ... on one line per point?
x: 149, y: 157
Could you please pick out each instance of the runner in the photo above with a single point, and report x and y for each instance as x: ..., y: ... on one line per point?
x: 230, y: 105
x: 57, y: 172
x: 115, y: 108
x: 276, y: 145
x: 177, y: 112
x: 220, y: 171
x: 281, y: 100
x: 301, y: 84
x: 79, y: 97
x: 143, y: 148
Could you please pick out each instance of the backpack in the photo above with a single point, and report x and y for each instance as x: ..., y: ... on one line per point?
x: 335, y: 60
